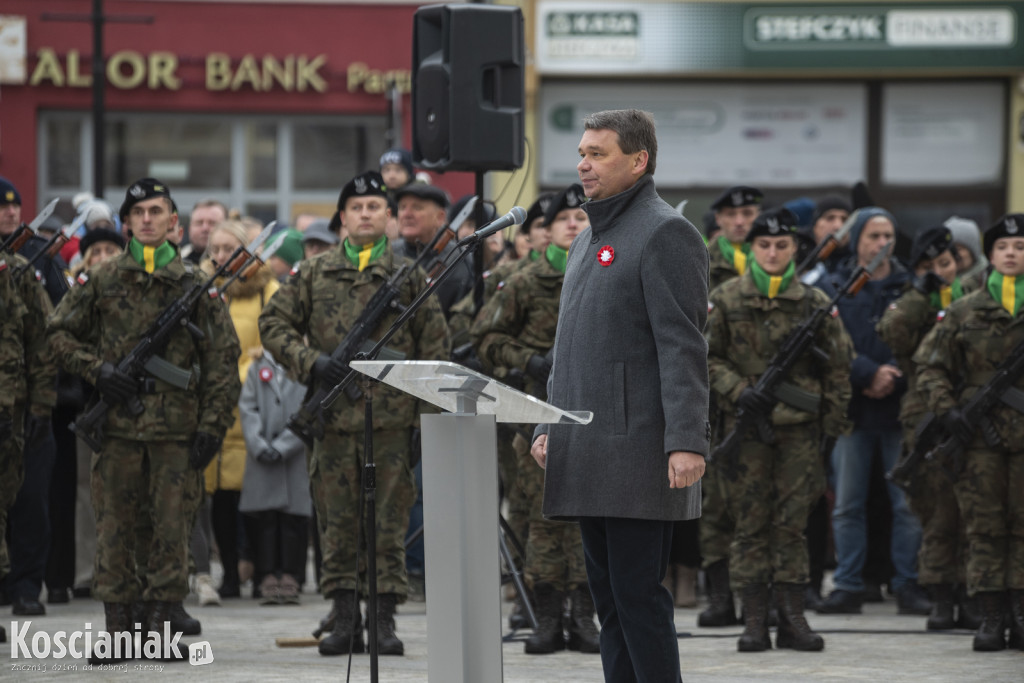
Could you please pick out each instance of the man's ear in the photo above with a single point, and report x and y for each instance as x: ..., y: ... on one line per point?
x: 640, y: 164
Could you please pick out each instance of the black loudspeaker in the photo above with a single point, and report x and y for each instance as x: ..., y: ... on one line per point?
x: 467, y: 88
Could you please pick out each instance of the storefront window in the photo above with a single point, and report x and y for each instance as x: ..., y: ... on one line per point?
x: 64, y: 153
x: 261, y: 156
x: 327, y: 155
x: 182, y: 151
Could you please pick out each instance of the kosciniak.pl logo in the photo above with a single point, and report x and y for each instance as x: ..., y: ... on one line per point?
x: 83, y: 644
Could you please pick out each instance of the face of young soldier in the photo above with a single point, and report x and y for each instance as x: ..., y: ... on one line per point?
x: 773, y: 254
x: 151, y: 221
x: 221, y: 246
x: 540, y: 236
x: 10, y: 218
x: 365, y: 218
x: 964, y: 257
x: 944, y: 265
x: 1008, y: 256
x: 875, y: 235
x: 736, y: 221
x: 100, y: 252
x: 829, y: 223
x: 566, y: 224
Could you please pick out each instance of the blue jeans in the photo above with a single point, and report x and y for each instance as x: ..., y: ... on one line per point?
x: 851, y: 467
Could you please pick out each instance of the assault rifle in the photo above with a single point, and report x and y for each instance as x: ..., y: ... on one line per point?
x: 249, y: 260
x: 793, y: 348
x: 927, y: 434
x: 998, y: 389
x: 823, y: 249
x: 16, y: 240
x: 143, y: 357
x: 52, y: 246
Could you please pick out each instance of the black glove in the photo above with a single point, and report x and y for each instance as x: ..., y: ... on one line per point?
x: 928, y: 283
x: 958, y: 426
x: 753, y: 402
x: 204, y: 447
x: 329, y: 371
x: 538, y: 367
x: 36, y: 428
x: 116, y: 386
x: 269, y: 455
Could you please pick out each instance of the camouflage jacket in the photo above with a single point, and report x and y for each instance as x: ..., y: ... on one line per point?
x: 744, y: 332
x: 960, y: 354
x: 519, y: 321
x: 106, y: 315
x: 462, y: 314
x: 321, y: 300
x: 27, y: 371
x: 719, y: 269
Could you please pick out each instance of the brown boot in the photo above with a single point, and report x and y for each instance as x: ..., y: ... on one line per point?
x: 347, y: 631
x: 794, y: 631
x: 583, y: 634
x: 755, y: 636
x: 387, y: 642
x: 721, y: 609
x: 686, y: 586
x: 118, y: 616
x: 990, y: 636
x: 548, y: 637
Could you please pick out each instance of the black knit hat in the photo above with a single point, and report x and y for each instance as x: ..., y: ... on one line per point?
x: 1010, y: 225
x: 929, y: 243
x: 775, y: 223
x: 95, y: 235
x: 8, y: 192
x: 829, y: 203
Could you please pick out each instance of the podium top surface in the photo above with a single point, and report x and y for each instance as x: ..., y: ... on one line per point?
x: 457, y: 389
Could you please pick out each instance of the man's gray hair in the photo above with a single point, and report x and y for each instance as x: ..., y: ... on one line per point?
x: 634, y: 127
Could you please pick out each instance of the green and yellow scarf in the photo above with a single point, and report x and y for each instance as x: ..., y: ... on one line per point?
x: 771, y: 285
x: 1007, y: 290
x: 151, y: 258
x: 360, y: 257
x: 947, y: 295
x: 735, y: 253
x: 557, y: 257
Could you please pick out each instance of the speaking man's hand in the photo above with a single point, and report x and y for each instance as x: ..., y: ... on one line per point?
x: 684, y: 469
x: 539, y: 450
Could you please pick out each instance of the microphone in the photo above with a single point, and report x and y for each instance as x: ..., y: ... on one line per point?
x: 514, y: 217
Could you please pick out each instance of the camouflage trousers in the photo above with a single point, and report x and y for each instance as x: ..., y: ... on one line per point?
x: 942, y: 557
x: 770, y: 495
x: 336, y: 478
x: 989, y: 494
x: 193, y: 491
x: 12, y: 473
x: 509, y: 459
x: 716, y: 521
x: 554, y: 550
x: 133, y: 480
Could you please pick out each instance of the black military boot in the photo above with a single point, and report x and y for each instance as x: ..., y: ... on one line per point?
x: 583, y: 634
x: 548, y: 637
x: 348, y: 626
x: 118, y: 617
x: 755, y: 636
x: 387, y: 642
x: 794, y: 631
x: 1017, y: 619
x: 990, y: 636
x: 158, y: 637
x: 941, y: 618
x: 968, y: 614
x: 721, y: 609
x: 183, y: 622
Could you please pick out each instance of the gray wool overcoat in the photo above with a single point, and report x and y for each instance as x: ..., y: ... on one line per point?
x: 630, y: 347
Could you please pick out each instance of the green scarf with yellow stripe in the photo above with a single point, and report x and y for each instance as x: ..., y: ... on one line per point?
x: 771, y: 285
x: 151, y: 258
x: 735, y: 253
x: 947, y: 295
x: 360, y: 257
x: 1007, y: 290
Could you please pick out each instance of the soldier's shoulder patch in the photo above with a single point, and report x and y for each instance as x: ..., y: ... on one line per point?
x: 82, y: 278
x: 39, y: 276
x: 501, y: 285
x: 834, y: 312
x: 710, y: 306
x: 295, y: 269
x: 940, y: 315
x: 3, y: 266
x: 892, y: 306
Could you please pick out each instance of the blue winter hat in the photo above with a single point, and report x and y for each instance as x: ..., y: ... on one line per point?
x: 8, y: 192
x: 860, y: 217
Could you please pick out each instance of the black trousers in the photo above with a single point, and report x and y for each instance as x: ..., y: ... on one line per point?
x: 279, y: 542
x: 626, y: 560
x: 60, y: 565
x: 28, y: 520
x: 226, y: 526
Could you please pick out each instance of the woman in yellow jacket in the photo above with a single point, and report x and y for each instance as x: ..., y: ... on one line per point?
x: 245, y: 301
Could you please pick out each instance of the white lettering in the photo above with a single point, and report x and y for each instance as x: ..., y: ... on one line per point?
x: 40, y: 644
x: 18, y: 639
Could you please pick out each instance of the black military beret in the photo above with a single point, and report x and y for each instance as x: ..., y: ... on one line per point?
x: 738, y: 195
x: 95, y: 235
x: 929, y: 243
x: 1010, y: 225
x: 570, y: 198
x: 775, y: 223
x: 536, y: 210
x: 369, y: 184
x: 424, y: 191
x: 141, y: 190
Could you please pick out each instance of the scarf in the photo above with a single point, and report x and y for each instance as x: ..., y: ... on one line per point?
x: 771, y: 285
x: 366, y: 254
x: 734, y: 253
x: 151, y: 258
x: 1007, y: 290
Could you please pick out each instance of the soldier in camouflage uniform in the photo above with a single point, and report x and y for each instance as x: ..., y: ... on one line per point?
x: 321, y: 300
x: 147, y: 459
x: 902, y: 327
x: 957, y: 357
x: 515, y: 330
x: 734, y: 213
x: 28, y: 376
x: 770, y: 487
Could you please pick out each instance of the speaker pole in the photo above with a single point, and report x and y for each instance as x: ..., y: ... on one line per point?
x: 481, y: 246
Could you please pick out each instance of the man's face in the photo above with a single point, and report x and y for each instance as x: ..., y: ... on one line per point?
x: 151, y: 221
x: 1008, y: 255
x: 201, y: 223
x: 736, y: 221
x: 876, y: 234
x: 10, y: 218
x: 540, y: 236
x: 100, y: 252
x: 829, y: 223
x: 365, y: 218
x: 419, y: 219
x: 566, y: 225
x: 773, y: 254
x: 604, y: 169
x: 394, y: 175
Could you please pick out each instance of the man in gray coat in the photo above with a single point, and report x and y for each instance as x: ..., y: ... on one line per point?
x: 630, y: 347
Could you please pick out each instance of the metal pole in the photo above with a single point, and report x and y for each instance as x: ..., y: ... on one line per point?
x: 98, y: 85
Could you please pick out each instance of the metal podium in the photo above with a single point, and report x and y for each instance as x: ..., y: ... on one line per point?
x: 460, y: 506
